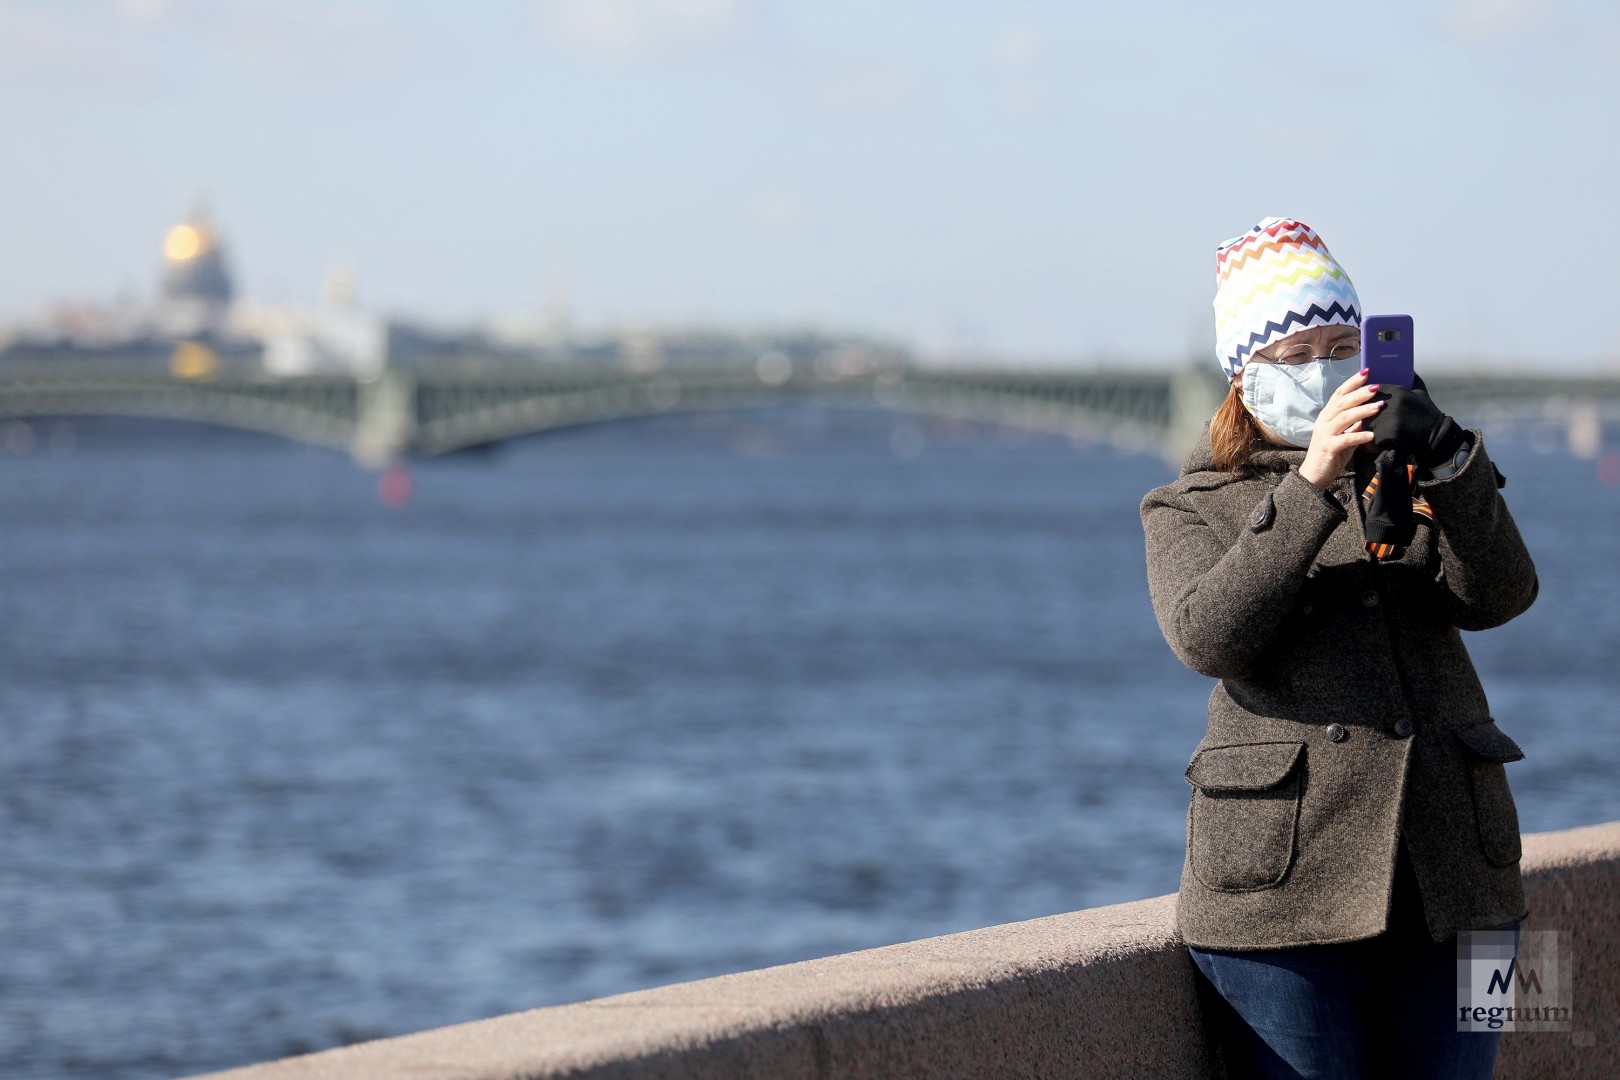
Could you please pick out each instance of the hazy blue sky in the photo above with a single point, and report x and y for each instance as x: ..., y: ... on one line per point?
x: 1020, y: 178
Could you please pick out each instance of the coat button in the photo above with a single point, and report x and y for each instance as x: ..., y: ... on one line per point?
x: 1403, y: 727
x: 1344, y: 498
x: 1337, y: 732
x: 1263, y: 513
x: 1369, y: 598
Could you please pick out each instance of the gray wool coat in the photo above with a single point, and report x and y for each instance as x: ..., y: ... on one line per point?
x: 1348, y: 713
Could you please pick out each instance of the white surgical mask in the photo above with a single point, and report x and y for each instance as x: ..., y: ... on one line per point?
x: 1288, y: 398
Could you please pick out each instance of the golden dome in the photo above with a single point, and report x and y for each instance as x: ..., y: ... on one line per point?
x: 186, y: 241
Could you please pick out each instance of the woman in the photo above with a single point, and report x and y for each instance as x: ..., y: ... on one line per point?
x: 1350, y: 813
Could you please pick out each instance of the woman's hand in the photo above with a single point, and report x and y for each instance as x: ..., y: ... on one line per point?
x: 1338, y: 430
x: 1412, y: 423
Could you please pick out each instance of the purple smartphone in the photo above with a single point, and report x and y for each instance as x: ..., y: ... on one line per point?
x: 1386, y: 349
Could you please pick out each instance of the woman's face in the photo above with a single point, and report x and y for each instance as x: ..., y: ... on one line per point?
x: 1301, y: 347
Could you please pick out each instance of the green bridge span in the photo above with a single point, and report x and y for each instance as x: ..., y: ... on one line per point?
x: 427, y: 410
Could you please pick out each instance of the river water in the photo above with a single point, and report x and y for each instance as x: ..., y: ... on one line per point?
x: 286, y: 767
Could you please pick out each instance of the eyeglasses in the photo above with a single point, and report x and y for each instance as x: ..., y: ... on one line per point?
x: 1299, y: 354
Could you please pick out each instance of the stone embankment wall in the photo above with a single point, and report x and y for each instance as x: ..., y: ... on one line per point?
x: 1104, y: 992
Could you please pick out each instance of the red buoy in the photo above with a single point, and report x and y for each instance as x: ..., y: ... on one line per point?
x: 394, y: 486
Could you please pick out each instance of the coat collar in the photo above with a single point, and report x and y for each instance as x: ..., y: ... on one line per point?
x: 1271, y: 459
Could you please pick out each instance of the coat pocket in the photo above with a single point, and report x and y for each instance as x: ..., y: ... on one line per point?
x: 1244, y: 814
x: 1487, y: 748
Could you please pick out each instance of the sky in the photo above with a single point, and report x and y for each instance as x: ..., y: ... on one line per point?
x: 1038, y: 180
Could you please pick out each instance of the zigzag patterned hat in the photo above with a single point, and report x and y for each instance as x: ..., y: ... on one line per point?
x: 1272, y: 281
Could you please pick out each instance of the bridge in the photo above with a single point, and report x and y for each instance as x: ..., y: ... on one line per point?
x: 429, y: 409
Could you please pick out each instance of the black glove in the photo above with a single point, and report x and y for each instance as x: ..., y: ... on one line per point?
x: 1389, y: 520
x: 1412, y: 424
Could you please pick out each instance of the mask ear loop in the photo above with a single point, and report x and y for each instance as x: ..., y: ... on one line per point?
x: 1247, y: 382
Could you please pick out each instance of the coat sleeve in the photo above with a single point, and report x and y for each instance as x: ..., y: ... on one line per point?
x: 1220, y: 602
x: 1485, y: 570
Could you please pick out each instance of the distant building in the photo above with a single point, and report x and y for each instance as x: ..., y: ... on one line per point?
x: 197, y: 288
x: 198, y: 328
x: 338, y: 339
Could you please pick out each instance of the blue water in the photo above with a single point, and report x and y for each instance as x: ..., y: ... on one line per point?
x: 286, y: 768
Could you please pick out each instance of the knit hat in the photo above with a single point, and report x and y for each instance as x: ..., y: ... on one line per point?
x: 1272, y: 281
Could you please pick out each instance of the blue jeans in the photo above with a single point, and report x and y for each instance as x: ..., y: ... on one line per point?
x: 1381, y: 1007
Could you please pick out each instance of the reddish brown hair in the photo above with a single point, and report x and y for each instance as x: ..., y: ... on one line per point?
x: 1233, y: 434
